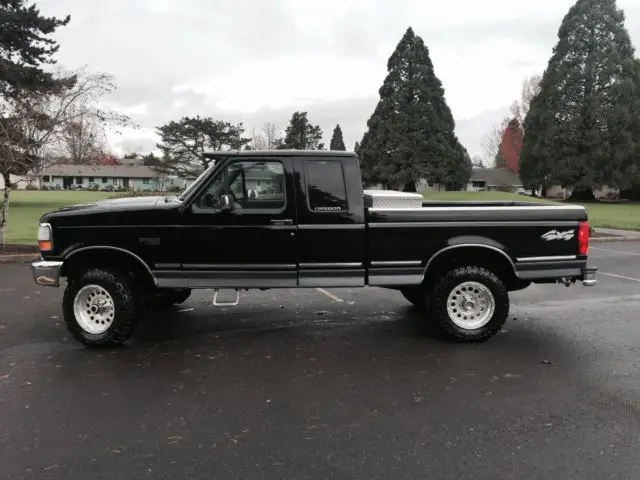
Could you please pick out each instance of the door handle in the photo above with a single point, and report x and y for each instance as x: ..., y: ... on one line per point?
x: 284, y: 221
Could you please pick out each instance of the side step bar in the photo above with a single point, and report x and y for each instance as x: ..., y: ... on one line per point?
x: 225, y: 304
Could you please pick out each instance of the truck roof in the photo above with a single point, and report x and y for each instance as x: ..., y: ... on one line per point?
x: 280, y: 153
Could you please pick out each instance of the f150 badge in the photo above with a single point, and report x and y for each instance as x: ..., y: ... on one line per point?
x: 557, y: 235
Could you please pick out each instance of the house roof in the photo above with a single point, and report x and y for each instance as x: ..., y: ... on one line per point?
x: 117, y: 171
x: 496, y: 176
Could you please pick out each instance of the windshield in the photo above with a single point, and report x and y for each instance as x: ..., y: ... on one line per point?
x: 196, y: 182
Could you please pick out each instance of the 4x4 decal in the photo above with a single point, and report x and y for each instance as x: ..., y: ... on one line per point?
x: 558, y: 235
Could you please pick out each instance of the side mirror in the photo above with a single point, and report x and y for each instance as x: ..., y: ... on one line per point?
x: 226, y: 203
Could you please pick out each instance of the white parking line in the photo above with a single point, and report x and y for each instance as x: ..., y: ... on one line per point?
x: 598, y: 249
x: 330, y: 295
x: 620, y: 276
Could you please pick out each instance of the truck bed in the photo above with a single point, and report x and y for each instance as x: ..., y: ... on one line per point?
x: 530, y: 235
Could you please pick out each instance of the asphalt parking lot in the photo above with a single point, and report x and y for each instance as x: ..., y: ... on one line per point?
x: 344, y: 384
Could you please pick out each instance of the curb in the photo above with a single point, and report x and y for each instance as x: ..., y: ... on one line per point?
x: 614, y: 239
x: 19, y: 258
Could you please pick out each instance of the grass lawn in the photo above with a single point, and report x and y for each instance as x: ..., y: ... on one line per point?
x: 623, y: 216
x: 26, y: 208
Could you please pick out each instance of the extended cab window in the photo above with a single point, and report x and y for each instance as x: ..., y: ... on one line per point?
x: 326, y: 190
x: 252, y: 185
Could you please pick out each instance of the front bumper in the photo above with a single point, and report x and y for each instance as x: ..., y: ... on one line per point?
x: 46, y: 273
x: 589, y: 276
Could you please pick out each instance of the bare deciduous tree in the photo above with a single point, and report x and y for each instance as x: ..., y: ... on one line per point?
x: 258, y: 141
x: 82, y: 128
x: 270, y: 133
x: 519, y: 111
x: 267, y: 139
x: 530, y: 88
x: 36, y: 127
x: 491, y: 142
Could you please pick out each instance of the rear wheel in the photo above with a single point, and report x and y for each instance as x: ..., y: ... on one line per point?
x: 99, y: 308
x: 470, y: 304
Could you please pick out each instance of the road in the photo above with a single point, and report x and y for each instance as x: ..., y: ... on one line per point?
x: 337, y: 384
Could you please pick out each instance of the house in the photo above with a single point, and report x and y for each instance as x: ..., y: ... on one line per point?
x: 491, y: 179
x: 262, y: 181
x: 20, y: 182
x: 102, y: 177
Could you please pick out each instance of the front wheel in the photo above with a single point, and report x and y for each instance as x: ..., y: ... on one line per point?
x: 470, y: 304
x: 99, y: 308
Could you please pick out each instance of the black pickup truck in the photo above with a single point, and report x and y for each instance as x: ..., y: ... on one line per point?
x: 301, y: 219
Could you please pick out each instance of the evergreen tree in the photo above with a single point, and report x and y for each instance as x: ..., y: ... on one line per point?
x: 25, y: 47
x: 579, y: 130
x: 185, y: 142
x: 410, y: 134
x: 337, y: 142
x: 630, y: 184
x: 301, y: 135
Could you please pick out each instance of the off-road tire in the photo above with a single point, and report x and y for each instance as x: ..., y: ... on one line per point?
x: 125, y: 298
x: 448, y: 282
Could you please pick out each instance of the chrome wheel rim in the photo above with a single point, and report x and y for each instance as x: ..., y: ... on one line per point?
x: 94, y: 309
x: 471, y: 305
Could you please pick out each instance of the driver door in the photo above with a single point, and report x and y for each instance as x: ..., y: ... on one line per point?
x: 251, y: 244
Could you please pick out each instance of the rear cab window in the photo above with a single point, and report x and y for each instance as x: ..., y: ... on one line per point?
x: 325, y: 184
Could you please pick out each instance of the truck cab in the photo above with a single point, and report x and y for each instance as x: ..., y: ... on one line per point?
x: 306, y: 226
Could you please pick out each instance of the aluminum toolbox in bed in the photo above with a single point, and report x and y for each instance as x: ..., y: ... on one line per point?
x: 392, y: 199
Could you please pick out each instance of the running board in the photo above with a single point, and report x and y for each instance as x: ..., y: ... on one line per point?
x: 225, y: 304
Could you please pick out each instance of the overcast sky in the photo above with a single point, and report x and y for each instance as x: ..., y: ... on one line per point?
x: 259, y: 60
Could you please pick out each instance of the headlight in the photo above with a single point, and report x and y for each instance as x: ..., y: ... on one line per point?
x: 45, y: 237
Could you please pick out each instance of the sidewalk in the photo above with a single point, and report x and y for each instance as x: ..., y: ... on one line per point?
x: 613, y: 235
x: 18, y: 257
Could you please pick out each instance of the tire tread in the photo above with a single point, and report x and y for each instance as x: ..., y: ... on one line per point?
x: 124, y: 298
x: 441, y: 292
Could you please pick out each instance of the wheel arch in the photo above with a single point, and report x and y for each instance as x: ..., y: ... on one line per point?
x: 491, y: 257
x: 82, y: 258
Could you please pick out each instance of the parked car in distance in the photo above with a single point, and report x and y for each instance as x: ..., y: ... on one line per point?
x: 457, y: 261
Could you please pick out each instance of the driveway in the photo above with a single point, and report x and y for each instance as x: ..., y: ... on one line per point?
x: 315, y: 384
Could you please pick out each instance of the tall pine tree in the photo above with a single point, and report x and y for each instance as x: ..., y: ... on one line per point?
x: 410, y: 134
x: 579, y: 130
x: 630, y: 184
x: 25, y: 47
x: 337, y: 142
x: 301, y: 135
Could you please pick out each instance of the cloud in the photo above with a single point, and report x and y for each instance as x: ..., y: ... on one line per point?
x: 256, y: 61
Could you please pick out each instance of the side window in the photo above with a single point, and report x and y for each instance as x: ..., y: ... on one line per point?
x: 252, y: 185
x: 326, y: 191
